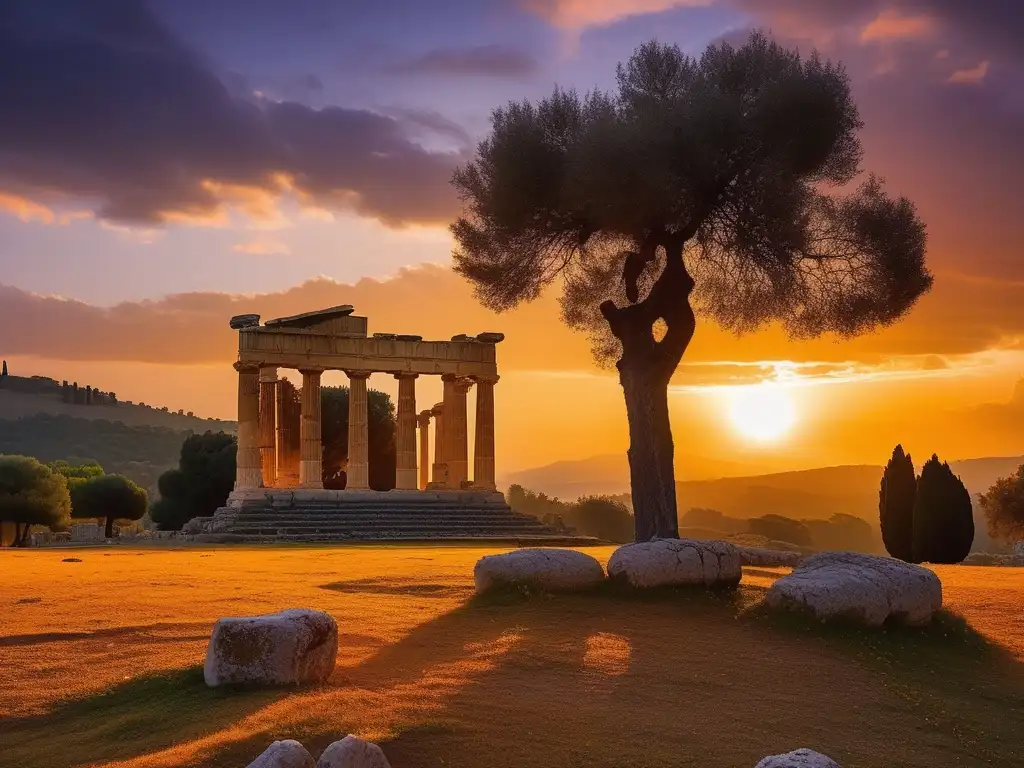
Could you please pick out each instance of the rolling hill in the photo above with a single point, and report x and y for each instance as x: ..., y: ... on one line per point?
x: 814, y: 494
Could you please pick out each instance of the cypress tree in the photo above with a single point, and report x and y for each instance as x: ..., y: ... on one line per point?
x: 943, y: 517
x: 896, y: 498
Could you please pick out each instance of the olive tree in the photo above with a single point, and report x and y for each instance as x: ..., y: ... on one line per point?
x: 31, y: 494
x: 721, y: 186
x: 108, y: 498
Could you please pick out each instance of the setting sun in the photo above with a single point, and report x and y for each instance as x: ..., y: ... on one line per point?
x: 764, y: 412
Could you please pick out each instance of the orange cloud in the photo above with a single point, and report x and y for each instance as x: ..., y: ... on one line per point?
x: 25, y: 209
x: 891, y: 25
x: 960, y: 317
x: 578, y: 14
x: 970, y: 76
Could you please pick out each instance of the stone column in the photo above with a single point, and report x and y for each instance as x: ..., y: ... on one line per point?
x: 268, y: 426
x: 439, y: 470
x: 458, y: 459
x: 247, y: 473
x: 405, y: 433
x: 483, y: 449
x: 358, y: 433
x: 423, y: 422
x: 311, y: 473
x: 289, y: 435
x: 448, y: 426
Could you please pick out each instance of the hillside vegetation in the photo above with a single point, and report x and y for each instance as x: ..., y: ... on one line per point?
x: 139, y: 452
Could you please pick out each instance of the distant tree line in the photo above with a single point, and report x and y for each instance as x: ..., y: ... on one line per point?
x: 600, y: 516
x: 840, y: 531
x: 51, y: 495
x: 926, y: 518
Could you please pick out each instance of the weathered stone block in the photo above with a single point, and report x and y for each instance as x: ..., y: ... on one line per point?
x: 556, y: 570
x: 291, y: 647
x: 798, y: 758
x: 284, y: 754
x: 676, y: 562
x: 353, y: 752
x: 862, y: 588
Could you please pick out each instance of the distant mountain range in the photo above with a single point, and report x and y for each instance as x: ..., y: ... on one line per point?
x: 811, y: 493
x: 608, y: 474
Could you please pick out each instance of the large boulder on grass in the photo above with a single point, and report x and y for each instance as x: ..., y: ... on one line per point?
x: 353, y: 752
x: 287, y: 648
x: 861, y: 588
x: 552, y: 570
x: 798, y: 758
x: 676, y: 562
x: 284, y: 754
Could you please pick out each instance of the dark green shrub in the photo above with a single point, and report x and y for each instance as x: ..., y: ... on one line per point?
x: 202, y: 482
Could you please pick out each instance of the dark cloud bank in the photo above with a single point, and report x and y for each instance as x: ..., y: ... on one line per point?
x: 106, y: 104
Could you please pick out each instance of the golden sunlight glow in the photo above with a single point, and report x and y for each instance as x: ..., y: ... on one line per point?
x: 764, y: 412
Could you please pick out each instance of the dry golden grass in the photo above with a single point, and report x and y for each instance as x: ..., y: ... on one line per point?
x: 98, y: 667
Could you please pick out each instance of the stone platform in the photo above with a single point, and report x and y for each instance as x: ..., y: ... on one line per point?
x: 321, y: 516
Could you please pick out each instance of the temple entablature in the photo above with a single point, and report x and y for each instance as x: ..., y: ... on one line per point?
x: 335, y: 339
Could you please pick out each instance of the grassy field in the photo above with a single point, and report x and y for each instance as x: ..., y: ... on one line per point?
x: 99, y: 665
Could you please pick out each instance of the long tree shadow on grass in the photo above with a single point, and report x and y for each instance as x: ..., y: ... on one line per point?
x: 159, y: 708
x: 677, y: 679
x: 602, y: 679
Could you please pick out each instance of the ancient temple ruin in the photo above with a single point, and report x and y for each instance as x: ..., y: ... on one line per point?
x: 279, y: 490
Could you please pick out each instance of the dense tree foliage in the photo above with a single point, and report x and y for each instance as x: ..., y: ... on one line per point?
x: 31, y: 494
x: 943, y: 518
x: 334, y: 436
x: 1003, y: 505
x: 598, y: 516
x: 108, y: 498
x: 201, y: 483
x: 896, y: 505
x: 700, y: 185
x: 85, y: 470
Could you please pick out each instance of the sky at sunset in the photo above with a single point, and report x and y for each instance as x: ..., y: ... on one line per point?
x: 165, y: 165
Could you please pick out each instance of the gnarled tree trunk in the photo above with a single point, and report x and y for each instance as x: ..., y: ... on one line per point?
x: 108, y: 533
x: 645, y: 369
x: 651, y: 453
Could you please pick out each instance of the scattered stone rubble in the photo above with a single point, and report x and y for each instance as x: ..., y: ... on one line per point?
x: 350, y: 752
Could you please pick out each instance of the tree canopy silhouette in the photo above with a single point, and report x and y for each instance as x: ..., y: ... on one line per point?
x: 699, y: 186
x: 1003, y: 505
x: 31, y: 494
x: 896, y: 497
x: 108, y: 498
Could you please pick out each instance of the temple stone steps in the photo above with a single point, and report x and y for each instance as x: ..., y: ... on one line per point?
x: 323, y: 516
